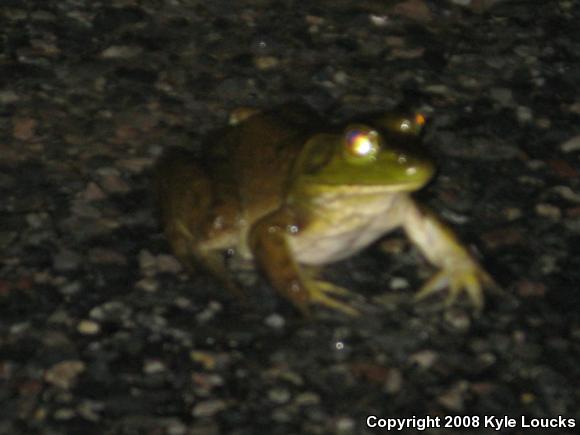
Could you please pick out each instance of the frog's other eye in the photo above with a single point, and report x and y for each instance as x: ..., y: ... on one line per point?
x: 412, y: 125
x: 362, y: 144
x: 420, y: 119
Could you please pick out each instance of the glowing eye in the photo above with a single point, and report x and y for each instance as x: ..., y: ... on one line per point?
x: 420, y: 119
x: 362, y: 144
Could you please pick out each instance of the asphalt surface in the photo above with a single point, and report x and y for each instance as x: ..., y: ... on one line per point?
x: 102, y: 332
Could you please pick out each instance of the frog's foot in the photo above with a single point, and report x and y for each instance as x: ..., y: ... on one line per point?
x: 323, y: 293
x: 471, y: 279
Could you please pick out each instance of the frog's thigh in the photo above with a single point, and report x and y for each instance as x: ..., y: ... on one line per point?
x: 212, y: 260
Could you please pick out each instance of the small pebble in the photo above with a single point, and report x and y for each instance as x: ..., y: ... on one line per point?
x: 206, y: 359
x: 208, y: 408
x: 24, y: 128
x: 458, y: 319
x: 512, y: 213
x: 530, y: 289
x: 148, y: 284
x: 121, y: 52
x: 266, y: 62
x: 147, y: 262
x: 416, y: 10
x: 37, y: 220
x: 307, y: 399
x: 398, y: 283
x: 424, y: 358
x: 106, y: 256
x: 93, y: 193
x: 275, y: 321
x: 110, y: 311
x: 90, y: 409
x: 153, y: 366
x: 345, y: 426
x: 394, y: 381
x: 65, y: 373
x: 135, y: 165
x: 168, y: 264
x: 571, y: 145
x: 454, y: 398
x: 71, y: 288
x: 66, y: 260
x: 88, y: 327
x: 567, y: 193
x: 548, y: 211
x: 279, y: 395
x: 437, y: 89
x: 503, y: 96
x: 64, y: 414
x: 379, y: 20
x: 8, y: 97
x: 111, y: 181
x: 524, y: 114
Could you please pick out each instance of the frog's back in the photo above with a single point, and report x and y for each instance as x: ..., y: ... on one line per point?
x: 257, y: 156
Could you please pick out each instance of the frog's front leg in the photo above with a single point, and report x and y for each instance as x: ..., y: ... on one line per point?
x: 268, y: 242
x: 459, y: 271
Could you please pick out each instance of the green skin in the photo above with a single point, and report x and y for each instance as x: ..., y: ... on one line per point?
x: 282, y: 190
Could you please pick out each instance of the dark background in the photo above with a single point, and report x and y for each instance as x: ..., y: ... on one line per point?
x: 100, y: 331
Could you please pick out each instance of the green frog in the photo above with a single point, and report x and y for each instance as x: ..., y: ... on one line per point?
x: 290, y: 192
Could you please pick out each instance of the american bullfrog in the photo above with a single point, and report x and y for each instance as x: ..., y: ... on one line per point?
x: 287, y: 190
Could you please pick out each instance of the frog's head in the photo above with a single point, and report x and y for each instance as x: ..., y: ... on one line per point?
x: 379, y: 157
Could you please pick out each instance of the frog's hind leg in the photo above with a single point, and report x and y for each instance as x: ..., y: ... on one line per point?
x: 196, y: 257
x: 213, y: 262
x: 186, y: 198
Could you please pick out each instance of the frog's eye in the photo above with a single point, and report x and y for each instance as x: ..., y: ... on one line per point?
x: 362, y: 144
x: 420, y: 119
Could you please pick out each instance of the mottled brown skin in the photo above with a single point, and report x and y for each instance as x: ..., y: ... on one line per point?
x: 286, y: 190
x: 205, y: 208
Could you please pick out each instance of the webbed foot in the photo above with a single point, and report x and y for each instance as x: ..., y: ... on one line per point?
x: 324, y: 293
x: 470, y: 278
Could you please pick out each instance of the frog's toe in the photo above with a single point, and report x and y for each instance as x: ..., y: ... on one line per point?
x: 470, y: 281
x: 453, y: 294
x: 322, y: 292
x: 328, y: 287
x: 474, y: 290
x: 436, y: 283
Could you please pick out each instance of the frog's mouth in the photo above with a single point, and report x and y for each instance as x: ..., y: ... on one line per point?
x: 375, y: 188
x: 375, y: 181
x: 362, y: 189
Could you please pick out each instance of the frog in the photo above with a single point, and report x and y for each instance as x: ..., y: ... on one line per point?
x: 291, y: 193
